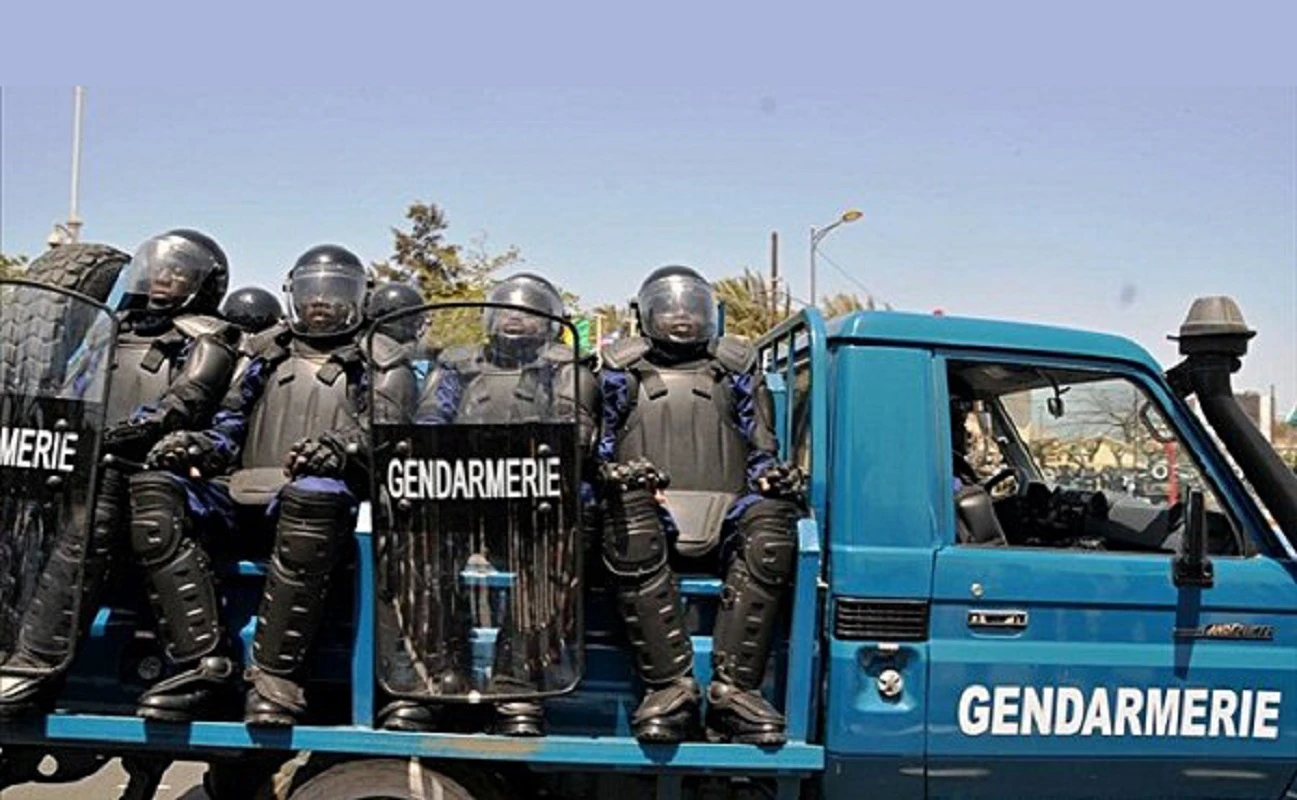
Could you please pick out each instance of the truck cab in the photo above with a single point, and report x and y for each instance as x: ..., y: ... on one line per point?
x: 1028, y: 567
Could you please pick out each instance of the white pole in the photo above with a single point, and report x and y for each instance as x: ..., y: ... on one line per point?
x: 74, y: 222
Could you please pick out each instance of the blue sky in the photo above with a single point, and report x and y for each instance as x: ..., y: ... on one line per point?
x: 1105, y: 209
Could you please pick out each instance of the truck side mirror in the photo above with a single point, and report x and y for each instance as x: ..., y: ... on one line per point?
x: 1191, y: 567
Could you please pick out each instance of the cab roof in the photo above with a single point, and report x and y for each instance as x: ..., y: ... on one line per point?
x: 930, y: 330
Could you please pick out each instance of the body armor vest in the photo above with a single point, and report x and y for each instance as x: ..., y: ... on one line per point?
x: 306, y: 394
x: 501, y: 394
x: 145, y: 364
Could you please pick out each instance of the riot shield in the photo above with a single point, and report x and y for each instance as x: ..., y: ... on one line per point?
x: 476, y: 512
x: 55, y: 355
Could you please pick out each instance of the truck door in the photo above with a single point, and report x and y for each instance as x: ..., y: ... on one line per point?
x: 1063, y: 659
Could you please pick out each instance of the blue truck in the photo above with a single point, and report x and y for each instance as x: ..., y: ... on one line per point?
x: 963, y: 623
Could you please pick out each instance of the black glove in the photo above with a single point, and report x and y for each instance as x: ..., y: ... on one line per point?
x: 132, y: 439
x: 782, y: 482
x: 637, y: 474
x: 183, y: 452
x: 323, y: 457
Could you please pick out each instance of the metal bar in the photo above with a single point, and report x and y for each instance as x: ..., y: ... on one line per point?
x: 800, y: 693
x: 594, y: 753
x: 362, y: 647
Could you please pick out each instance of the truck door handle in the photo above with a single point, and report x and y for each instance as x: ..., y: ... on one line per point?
x: 1006, y: 619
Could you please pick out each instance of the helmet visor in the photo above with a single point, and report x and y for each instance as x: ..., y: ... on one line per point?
x: 165, y: 274
x: 679, y: 309
x: 325, y: 299
x: 518, y: 324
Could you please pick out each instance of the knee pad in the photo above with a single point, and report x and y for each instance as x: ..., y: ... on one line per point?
x: 311, y: 526
x: 634, y: 543
x: 769, y: 547
x: 157, y: 516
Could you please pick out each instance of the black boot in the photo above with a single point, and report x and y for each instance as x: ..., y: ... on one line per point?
x: 668, y: 714
x: 190, y: 694
x: 274, y: 701
x: 742, y: 716
x: 410, y: 715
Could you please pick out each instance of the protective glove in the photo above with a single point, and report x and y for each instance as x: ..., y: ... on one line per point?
x: 637, y: 474
x: 132, y: 439
x: 191, y: 454
x: 322, y: 457
x: 782, y: 482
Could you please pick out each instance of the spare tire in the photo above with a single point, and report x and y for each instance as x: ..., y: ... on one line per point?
x: 40, y: 331
x: 90, y: 269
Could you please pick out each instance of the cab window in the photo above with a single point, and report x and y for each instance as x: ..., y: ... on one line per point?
x: 1077, y: 459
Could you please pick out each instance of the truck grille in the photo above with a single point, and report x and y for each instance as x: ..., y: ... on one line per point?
x: 857, y: 619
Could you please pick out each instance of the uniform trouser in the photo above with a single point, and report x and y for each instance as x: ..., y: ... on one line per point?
x: 314, y: 518
x: 72, y: 579
x: 173, y: 520
x: 757, y: 556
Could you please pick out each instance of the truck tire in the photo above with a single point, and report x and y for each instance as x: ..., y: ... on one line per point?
x: 39, y: 332
x: 380, y: 779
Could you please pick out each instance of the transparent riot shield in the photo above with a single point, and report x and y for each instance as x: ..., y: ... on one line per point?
x: 476, y: 509
x: 55, y: 356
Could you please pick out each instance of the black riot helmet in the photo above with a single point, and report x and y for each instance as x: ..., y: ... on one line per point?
x: 326, y: 292
x: 393, y: 296
x: 677, y: 310
x: 180, y: 270
x: 518, y: 334
x: 252, y: 309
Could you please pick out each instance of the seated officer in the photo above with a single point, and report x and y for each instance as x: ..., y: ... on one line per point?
x: 682, y: 400
x: 294, y: 427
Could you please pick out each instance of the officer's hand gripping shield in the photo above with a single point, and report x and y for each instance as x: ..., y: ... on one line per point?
x: 56, y: 351
x: 476, y: 511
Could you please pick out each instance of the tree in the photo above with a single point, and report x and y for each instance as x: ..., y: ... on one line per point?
x: 753, y: 307
x: 12, y: 266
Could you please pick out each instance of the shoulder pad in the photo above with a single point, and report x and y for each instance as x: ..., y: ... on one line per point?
x: 625, y: 352
x: 195, y: 325
x: 270, y: 343
x: 558, y: 353
x: 387, y: 352
x: 734, y: 354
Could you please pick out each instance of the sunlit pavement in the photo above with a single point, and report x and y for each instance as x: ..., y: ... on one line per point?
x: 183, y: 781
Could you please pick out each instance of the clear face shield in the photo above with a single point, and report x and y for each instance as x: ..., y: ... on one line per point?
x: 165, y: 274
x: 325, y: 299
x: 678, y: 309
x: 517, y: 328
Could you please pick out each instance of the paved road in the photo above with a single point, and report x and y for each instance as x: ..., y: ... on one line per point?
x: 182, y: 782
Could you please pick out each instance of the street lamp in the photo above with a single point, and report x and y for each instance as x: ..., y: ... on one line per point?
x: 70, y: 233
x: 817, y: 234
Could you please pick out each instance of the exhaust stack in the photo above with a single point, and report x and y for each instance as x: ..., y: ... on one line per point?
x: 1213, y: 340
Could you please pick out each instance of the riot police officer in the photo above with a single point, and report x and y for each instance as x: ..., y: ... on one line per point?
x: 252, y: 309
x: 293, y: 425
x: 521, y: 374
x: 174, y: 362
x: 686, y: 413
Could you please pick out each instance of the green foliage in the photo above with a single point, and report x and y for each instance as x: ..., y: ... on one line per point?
x: 753, y: 307
x: 12, y: 266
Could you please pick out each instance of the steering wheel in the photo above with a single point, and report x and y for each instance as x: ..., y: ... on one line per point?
x: 1004, y: 474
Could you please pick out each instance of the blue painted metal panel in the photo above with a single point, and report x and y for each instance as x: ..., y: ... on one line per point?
x: 922, y: 330
x: 362, y: 643
x: 883, y: 518
x: 1105, y: 621
x: 804, y: 657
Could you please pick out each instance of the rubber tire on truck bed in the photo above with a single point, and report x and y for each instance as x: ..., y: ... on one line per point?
x: 39, y: 331
x: 385, y: 778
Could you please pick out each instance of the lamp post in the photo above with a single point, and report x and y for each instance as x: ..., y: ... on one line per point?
x: 818, y: 234
x: 70, y: 232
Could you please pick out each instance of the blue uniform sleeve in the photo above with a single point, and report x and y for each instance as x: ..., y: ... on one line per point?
x: 760, y: 456
x: 440, y: 402
x: 614, y: 390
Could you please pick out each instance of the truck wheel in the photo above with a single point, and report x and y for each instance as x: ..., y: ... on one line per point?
x: 380, y: 779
